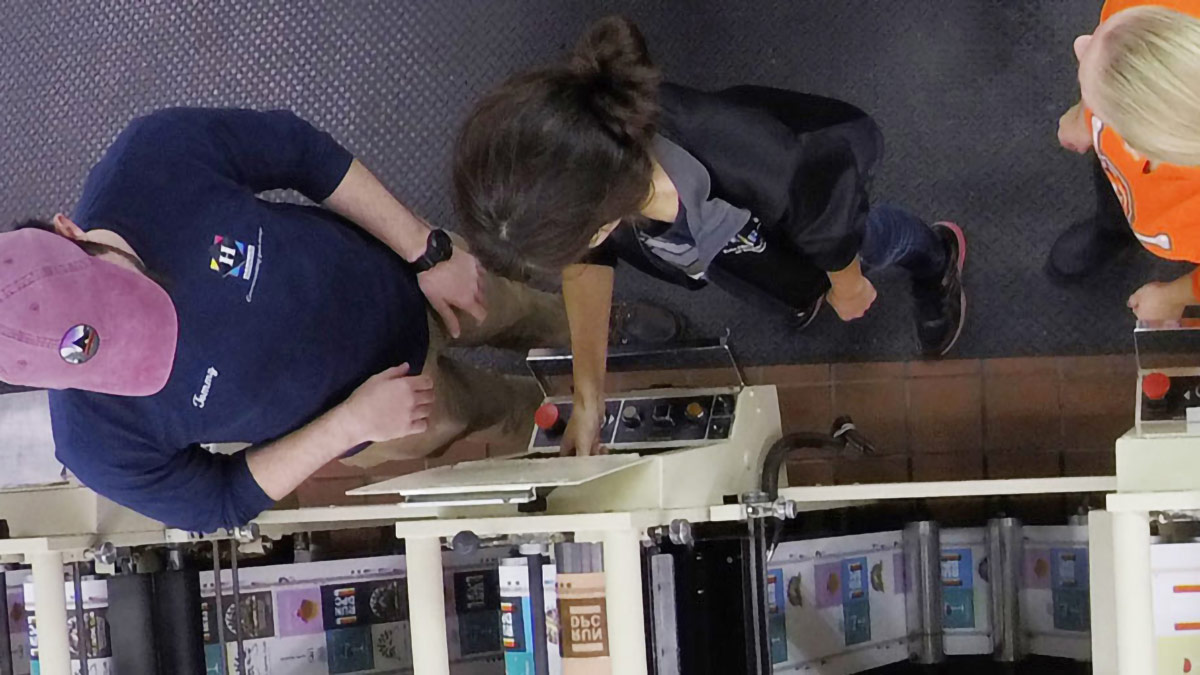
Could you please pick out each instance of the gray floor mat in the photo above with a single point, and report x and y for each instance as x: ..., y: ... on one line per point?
x: 968, y: 93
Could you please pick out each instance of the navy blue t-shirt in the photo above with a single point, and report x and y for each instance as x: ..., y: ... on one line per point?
x: 283, y: 309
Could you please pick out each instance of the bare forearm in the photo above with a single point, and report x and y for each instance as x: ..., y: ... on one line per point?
x: 280, y: 467
x: 848, y: 277
x: 587, y: 291
x: 1182, y: 290
x: 360, y: 197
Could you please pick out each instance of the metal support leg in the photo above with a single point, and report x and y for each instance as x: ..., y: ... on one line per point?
x: 219, y: 610
x: 6, y: 661
x: 427, y: 606
x: 237, y: 608
x: 626, y: 611
x: 1103, y: 585
x: 923, y: 599
x: 537, y: 604
x: 82, y: 632
x: 1135, y: 608
x: 1006, y: 556
x: 54, y: 648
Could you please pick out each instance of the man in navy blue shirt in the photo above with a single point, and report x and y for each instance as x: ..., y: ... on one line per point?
x: 178, y: 308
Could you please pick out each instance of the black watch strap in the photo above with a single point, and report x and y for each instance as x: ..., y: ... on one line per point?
x: 438, y: 248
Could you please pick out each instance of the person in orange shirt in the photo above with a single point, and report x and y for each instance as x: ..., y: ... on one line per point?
x: 1139, y: 76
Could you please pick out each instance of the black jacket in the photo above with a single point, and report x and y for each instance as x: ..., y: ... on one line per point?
x: 800, y: 163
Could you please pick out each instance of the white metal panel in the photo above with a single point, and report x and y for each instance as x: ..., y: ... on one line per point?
x: 496, y: 475
x: 970, y: 488
x: 1157, y: 464
x: 1103, y: 593
x: 1135, y: 610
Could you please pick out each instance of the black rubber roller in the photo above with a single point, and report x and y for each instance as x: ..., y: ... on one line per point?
x: 6, y: 660
x: 131, y: 623
x: 179, y: 627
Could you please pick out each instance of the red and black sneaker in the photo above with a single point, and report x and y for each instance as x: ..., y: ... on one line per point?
x: 941, y: 304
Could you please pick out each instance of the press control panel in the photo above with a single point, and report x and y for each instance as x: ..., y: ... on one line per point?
x: 647, y: 423
x: 1167, y: 398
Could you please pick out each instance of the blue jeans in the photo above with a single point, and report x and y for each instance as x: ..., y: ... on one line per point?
x: 895, y: 237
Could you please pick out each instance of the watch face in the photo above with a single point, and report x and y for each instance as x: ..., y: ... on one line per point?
x: 440, y: 246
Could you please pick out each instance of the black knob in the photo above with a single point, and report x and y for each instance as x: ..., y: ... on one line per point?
x: 631, y: 417
x: 662, y: 415
x: 723, y: 406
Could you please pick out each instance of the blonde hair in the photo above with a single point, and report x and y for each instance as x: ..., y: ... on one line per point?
x: 1147, y: 85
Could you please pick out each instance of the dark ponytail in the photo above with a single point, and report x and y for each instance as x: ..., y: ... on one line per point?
x: 548, y: 158
x: 622, y: 81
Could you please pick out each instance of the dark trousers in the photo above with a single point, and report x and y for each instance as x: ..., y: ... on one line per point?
x: 762, y: 270
x: 896, y: 238
x: 1109, y: 217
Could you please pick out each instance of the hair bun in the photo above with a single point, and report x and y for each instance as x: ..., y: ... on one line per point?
x: 619, y: 78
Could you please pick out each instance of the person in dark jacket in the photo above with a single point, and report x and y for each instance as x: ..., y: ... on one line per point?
x: 760, y: 191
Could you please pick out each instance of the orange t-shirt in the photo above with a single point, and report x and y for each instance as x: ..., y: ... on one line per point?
x: 1162, y: 203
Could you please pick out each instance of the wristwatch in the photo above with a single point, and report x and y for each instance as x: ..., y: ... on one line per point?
x: 438, y: 248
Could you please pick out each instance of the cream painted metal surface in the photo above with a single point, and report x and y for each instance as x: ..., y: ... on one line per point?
x: 1103, y: 592
x: 501, y: 475
x: 1158, y: 463
x: 427, y: 606
x: 973, y: 488
x: 54, y: 655
x: 1134, y: 608
x: 686, y: 478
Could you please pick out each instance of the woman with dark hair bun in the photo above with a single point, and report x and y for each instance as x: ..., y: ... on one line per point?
x: 763, y: 192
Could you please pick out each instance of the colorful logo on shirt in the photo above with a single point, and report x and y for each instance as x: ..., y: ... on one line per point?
x: 231, y: 258
x: 1119, y: 182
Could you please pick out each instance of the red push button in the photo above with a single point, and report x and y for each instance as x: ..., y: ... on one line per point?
x: 547, y: 417
x: 1155, y: 386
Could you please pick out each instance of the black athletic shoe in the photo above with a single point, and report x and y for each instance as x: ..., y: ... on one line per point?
x: 1084, y: 248
x: 644, y: 323
x: 802, y: 320
x: 941, y: 305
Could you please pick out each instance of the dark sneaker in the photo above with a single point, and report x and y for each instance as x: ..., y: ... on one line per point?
x: 804, y: 319
x: 1084, y: 248
x: 644, y: 323
x: 941, y: 304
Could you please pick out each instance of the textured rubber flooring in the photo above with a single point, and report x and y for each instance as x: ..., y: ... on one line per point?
x: 967, y: 92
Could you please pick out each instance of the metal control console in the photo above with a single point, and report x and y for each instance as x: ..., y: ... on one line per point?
x: 648, y: 421
x: 1169, y: 398
x: 1169, y: 382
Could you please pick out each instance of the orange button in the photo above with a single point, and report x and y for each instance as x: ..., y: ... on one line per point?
x: 547, y: 416
x: 1155, y: 386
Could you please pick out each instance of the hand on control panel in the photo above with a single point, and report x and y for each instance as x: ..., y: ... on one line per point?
x: 582, y: 436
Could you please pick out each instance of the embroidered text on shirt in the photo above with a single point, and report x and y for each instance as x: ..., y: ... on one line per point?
x: 200, y: 399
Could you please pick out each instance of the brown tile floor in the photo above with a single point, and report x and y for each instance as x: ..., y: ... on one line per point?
x: 941, y: 420
x: 969, y: 419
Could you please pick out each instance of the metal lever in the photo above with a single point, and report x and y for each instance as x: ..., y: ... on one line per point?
x: 237, y: 604
x: 237, y: 607
x: 219, y: 613
x: 81, y: 631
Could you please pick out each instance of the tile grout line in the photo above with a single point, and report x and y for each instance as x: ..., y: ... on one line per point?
x: 908, y: 434
x: 983, y: 419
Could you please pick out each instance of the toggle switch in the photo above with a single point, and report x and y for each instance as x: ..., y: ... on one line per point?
x: 631, y: 417
x: 662, y: 415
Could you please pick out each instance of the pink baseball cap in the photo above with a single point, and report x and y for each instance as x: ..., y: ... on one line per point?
x: 72, y: 321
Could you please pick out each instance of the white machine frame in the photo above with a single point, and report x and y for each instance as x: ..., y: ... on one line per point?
x: 51, y: 527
